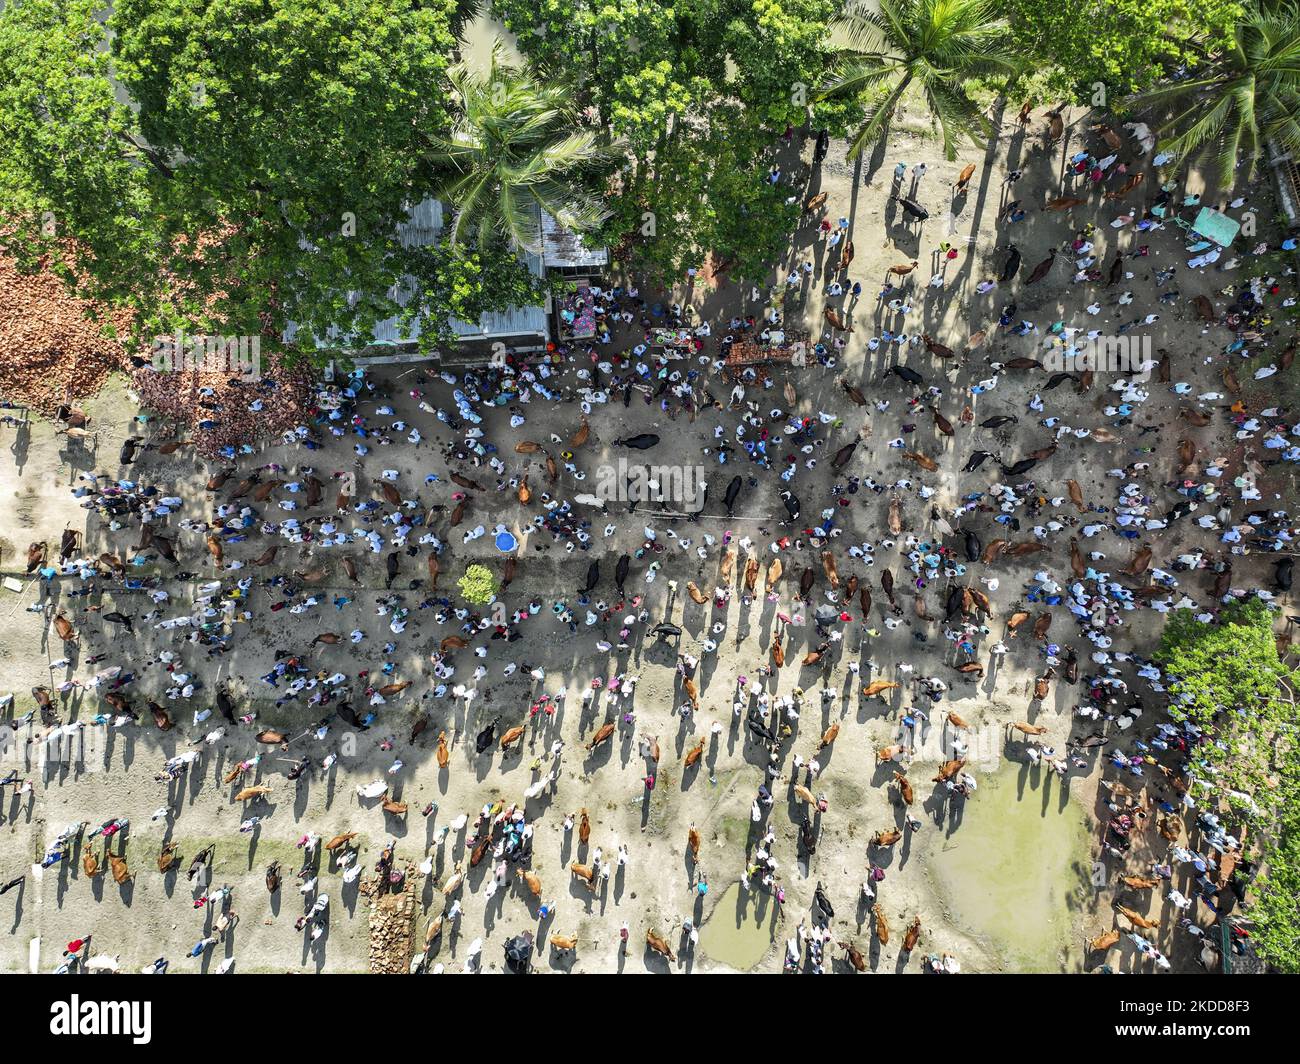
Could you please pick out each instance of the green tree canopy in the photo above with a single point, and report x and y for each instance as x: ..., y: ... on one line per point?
x: 1227, y: 679
x: 512, y: 152
x: 935, y: 47
x: 478, y: 585
x: 1124, y: 44
x: 1246, y: 93
x: 1276, y: 904
x: 229, y: 165
x: 696, y: 93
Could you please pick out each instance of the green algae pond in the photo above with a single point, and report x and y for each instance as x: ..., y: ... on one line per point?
x: 741, y: 928
x: 1015, y: 872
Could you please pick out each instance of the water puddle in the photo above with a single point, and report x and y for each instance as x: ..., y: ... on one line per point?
x: 741, y: 928
x: 1015, y: 870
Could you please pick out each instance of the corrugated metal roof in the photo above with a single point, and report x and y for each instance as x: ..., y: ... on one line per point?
x: 560, y: 247
x: 422, y: 229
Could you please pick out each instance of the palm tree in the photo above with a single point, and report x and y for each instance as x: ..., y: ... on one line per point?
x: 937, y: 45
x: 513, y: 149
x: 1240, y: 99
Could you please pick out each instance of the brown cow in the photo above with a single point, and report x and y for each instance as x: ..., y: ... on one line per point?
x: 904, y: 788
x: 854, y: 956
x: 881, y: 926
x: 949, y: 769
x: 659, y: 945
x: 167, y: 858
x: 64, y: 628
x: 120, y: 871
x: 1136, y: 919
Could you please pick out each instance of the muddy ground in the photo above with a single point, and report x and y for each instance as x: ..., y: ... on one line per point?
x: 152, y: 914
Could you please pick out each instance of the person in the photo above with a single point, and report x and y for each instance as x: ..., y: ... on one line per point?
x: 202, y: 945
x: 77, y: 945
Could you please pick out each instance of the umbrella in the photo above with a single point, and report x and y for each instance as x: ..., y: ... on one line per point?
x: 826, y: 614
x: 519, y: 953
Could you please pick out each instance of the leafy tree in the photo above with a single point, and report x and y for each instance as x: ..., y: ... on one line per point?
x: 639, y: 61
x: 703, y: 192
x: 1275, y: 907
x: 1124, y: 44
x: 229, y: 165
x: 696, y: 93
x: 780, y: 51
x: 513, y: 151
x: 478, y: 585
x: 1242, y: 96
x: 1227, y: 679
x: 934, y: 46
x: 456, y: 281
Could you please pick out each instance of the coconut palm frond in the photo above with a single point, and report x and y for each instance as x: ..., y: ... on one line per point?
x: 878, y: 113
x: 958, y: 117
x: 935, y: 44
x: 857, y: 76
x: 1238, y: 99
x: 520, y: 224
x: 514, y: 149
x: 862, y: 32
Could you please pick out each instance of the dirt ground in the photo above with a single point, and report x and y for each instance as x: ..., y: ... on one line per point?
x: 151, y: 915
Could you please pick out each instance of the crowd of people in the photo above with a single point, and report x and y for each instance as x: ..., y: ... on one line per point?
x: 918, y: 560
